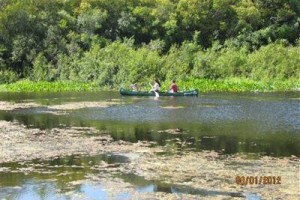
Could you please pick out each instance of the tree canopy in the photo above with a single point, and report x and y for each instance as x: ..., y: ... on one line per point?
x: 120, y: 41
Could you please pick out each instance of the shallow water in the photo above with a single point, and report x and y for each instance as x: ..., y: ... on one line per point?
x: 51, y: 179
x: 250, y: 123
x: 265, y: 123
x: 36, y: 183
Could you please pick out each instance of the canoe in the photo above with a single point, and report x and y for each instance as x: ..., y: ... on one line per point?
x: 145, y: 93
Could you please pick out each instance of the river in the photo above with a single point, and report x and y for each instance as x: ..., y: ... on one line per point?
x: 251, y: 124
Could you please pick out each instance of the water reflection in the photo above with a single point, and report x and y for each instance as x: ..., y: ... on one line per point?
x: 38, y: 183
x: 230, y: 123
x: 265, y: 124
x: 31, y: 190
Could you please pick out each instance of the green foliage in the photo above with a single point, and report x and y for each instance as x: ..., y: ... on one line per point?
x: 43, y: 86
x: 91, y: 20
x: 238, y: 85
x: 221, y: 62
x: 7, y: 76
x: 179, y: 62
x: 275, y: 62
x: 115, y: 43
x: 119, y: 63
x: 42, y: 70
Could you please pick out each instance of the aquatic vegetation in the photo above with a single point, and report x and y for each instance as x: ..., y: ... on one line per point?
x: 207, y: 170
x: 206, y: 173
x: 79, y: 105
x: 23, y: 144
x: 203, y: 85
x: 4, y: 105
x: 175, y: 131
x: 239, y: 85
x: 44, y: 86
x: 172, y: 107
x: 208, y: 105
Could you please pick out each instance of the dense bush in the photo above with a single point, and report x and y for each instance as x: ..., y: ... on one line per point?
x: 114, y: 43
x: 275, y: 61
x: 7, y: 76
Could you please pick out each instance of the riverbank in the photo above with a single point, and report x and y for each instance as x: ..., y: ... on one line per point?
x: 43, y: 86
x: 240, y: 85
x: 208, y: 173
x: 203, y: 85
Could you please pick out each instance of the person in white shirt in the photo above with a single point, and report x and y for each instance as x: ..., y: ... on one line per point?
x: 156, y: 86
x: 134, y: 87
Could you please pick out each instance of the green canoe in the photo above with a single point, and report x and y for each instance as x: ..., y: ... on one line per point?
x: 145, y: 93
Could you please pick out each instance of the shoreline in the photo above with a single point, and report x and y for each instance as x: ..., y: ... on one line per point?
x: 203, y: 85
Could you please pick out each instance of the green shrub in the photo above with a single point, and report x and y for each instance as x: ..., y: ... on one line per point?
x: 43, y: 70
x: 8, y: 76
x: 275, y: 62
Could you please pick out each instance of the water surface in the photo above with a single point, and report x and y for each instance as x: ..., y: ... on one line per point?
x: 261, y: 123
x: 248, y: 123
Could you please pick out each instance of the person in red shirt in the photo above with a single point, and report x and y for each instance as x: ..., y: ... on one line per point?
x: 173, y: 88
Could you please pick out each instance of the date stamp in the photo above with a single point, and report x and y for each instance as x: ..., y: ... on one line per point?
x: 258, y: 180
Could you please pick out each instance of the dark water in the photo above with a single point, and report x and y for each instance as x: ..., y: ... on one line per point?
x: 267, y: 123
x: 251, y: 123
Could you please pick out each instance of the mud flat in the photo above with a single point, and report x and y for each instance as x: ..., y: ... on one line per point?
x: 18, y: 143
x: 217, y: 174
x: 205, y: 172
x: 5, y: 105
x: 79, y: 105
x: 8, y: 106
